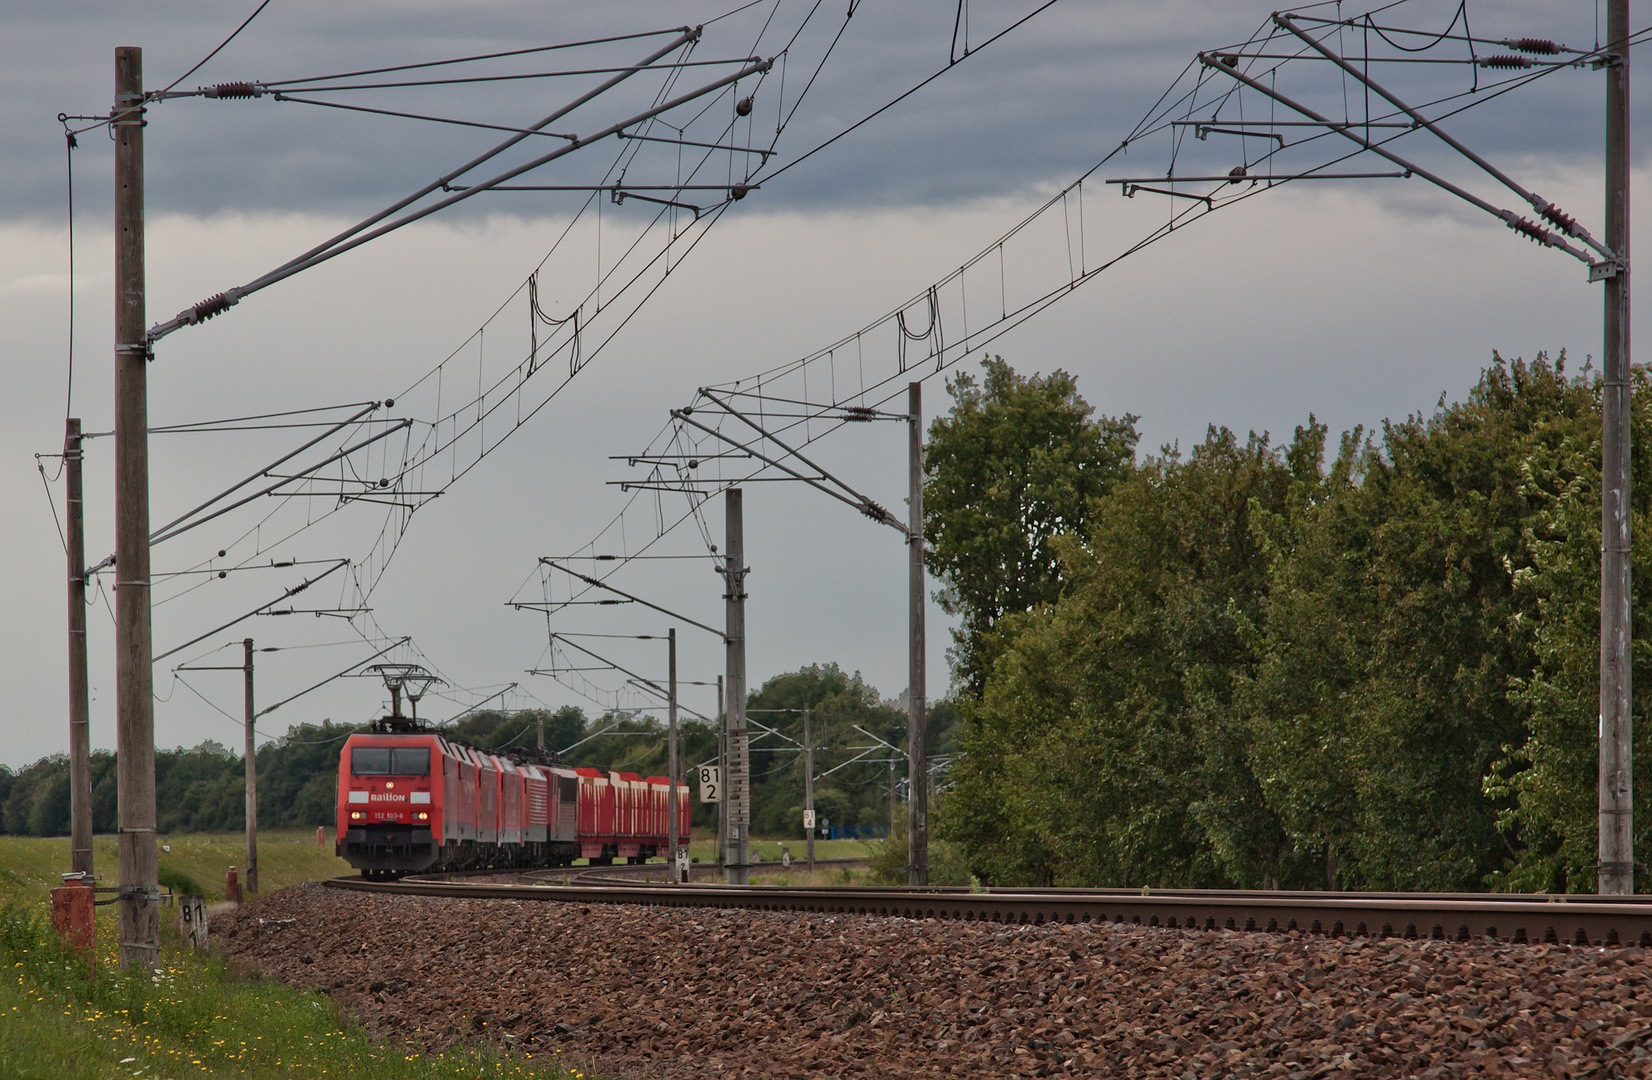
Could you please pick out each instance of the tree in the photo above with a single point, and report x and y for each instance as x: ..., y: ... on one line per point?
x: 1545, y: 783
x: 1015, y: 463
x: 493, y: 728
x: 1262, y: 673
x: 1107, y: 748
x: 1398, y: 633
x: 856, y: 794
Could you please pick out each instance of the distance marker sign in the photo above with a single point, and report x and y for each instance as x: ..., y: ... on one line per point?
x: 711, y: 783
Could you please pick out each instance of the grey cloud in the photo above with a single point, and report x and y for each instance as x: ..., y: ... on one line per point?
x: 1038, y: 106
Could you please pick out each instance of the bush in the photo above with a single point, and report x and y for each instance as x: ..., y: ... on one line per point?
x: 947, y: 862
x: 179, y: 882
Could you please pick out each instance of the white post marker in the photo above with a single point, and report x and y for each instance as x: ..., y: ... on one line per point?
x: 682, y: 864
x: 711, y: 784
x: 192, y: 922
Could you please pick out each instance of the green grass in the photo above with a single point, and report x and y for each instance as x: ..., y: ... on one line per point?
x: 30, y: 866
x: 195, y: 1016
x: 706, y: 850
x: 797, y: 876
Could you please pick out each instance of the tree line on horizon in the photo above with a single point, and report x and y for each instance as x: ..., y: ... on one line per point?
x: 202, y: 789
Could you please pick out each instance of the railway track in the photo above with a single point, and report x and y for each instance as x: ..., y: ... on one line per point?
x: 1571, y: 919
x: 623, y: 874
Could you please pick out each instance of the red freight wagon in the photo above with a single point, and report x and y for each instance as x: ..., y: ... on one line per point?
x: 626, y: 828
x: 487, y: 800
x: 459, y: 813
x: 596, y: 813
x: 657, y: 796
x: 625, y: 790
x: 642, y: 811
x: 468, y: 796
x: 536, y: 815
x: 510, y: 801
x: 662, y: 799
x: 564, y: 790
x: 643, y: 792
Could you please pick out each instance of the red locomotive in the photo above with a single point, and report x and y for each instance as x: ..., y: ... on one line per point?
x: 411, y: 799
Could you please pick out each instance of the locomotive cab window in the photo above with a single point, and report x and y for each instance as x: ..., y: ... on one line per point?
x: 387, y: 761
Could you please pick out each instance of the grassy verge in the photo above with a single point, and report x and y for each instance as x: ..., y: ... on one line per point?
x: 769, y: 850
x: 29, y: 866
x: 797, y: 876
x: 62, y: 1016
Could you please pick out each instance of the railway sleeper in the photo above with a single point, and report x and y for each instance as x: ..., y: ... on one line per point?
x: 1074, y: 911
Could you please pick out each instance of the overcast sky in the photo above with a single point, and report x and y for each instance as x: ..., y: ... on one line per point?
x: 1354, y: 300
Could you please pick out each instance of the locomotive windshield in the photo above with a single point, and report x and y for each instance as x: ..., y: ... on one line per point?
x: 390, y: 761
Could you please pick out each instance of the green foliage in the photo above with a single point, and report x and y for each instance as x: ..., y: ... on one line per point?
x: 498, y: 730
x: 179, y: 882
x: 1263, y: 669
x: 202, y: 789
x: 1106, y: 747
x: 1397, y: 634
x: 1546, y: 781
x: 1016, y: 462
x: 887, y: 863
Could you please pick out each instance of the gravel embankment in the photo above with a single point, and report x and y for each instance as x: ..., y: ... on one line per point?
x: 695, y: 993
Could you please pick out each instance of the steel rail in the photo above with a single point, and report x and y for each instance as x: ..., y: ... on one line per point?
x: 1575, y: 920
x: 593, y: 873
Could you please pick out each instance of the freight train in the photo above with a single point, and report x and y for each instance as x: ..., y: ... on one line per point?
x: 411, y: 799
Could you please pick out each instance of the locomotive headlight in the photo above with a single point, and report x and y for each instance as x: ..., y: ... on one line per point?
x: 356, y: 815
x: 390, y: 785
x: 422, y: 816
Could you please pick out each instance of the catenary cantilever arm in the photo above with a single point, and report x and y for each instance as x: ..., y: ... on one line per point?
x: 1546, y: 209
x: 221, y: 302
x: 858, y: 501
x: 600, y: 584
x: 1546, y: 237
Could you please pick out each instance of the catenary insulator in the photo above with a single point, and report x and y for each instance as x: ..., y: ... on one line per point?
x: 235, y: 90
x: 1538, y: 46
x: 1560, y: 219
x: 1504, y: 62
x: 212, y: 305
x: 1531, y: 230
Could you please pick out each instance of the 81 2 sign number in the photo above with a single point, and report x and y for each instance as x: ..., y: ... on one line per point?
x: 711, y: 784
